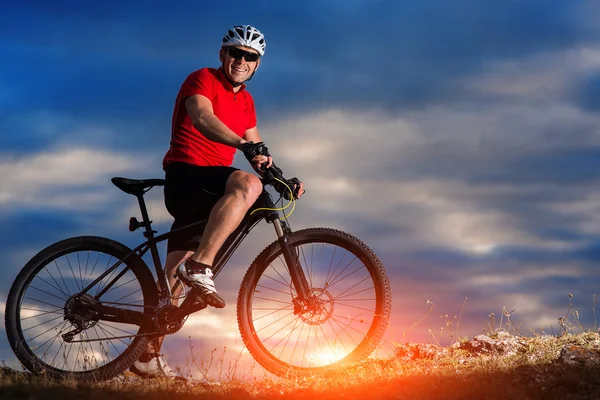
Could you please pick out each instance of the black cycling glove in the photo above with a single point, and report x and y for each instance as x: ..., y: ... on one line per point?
x: 252, y: 150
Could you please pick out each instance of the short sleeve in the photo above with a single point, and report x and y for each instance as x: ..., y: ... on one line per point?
x: 199, y: 82
x: 251, y: 113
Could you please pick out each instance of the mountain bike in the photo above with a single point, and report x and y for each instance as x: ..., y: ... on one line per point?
x: 312, y: 300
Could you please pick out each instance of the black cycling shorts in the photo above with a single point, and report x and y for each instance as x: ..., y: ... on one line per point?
x: 190, y: 194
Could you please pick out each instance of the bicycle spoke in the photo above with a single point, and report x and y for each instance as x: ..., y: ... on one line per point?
x: 122, y: 284
x: 51, y: 285
x: 95, y: 263
x: 335, y: 319
x: 74, y: 278
x: 315, y: 335
x: 108, y: 278
x: 358, y: 308
x: 274, y: 322
x: 274, y: 290
x: 53, y: 340
x: 37, y: 315
x: 286, y: 336
x: 49, y: 294
x: 271, y: 313
x: 289, y: 336
x: 104, y: 349
x: 338, y: 297
x: 352, y: 287
x: 332, y: 281
x: 79, y: 265
x: 330, y: 264
x: 297, y: 341
x: 325, y: 336
x: 48, y: 304
x: 276, y: 301
x: 43, y: 333
x: 337, y: 335
x: 309, y: 272
x: 48, y: 310
x: 120, y: 299
x: 305, y: 345
x: 114, y: 336
x: 286, y: 283
x: 111, y: 343
x: 114, y: 327
x: 87, y: 262
x: 62, y: 278
x: 45, y: 322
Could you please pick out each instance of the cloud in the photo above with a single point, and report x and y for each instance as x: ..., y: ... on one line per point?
x: 433, y: 176
x: 73, y: 178
x: 377, y: 55
x: 466, y: 159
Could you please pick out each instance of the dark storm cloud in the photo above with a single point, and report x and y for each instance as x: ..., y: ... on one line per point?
x: 127, y: 61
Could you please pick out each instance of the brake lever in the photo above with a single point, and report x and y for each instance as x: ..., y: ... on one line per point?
x: 273, y: 174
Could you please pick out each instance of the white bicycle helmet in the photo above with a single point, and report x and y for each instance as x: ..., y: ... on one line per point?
x: 245, y: 35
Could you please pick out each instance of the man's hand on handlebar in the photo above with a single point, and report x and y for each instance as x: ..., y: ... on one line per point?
x: 262, y: 162
x: 295, y: 184
x: 258, y: 156
x: 297, y: 187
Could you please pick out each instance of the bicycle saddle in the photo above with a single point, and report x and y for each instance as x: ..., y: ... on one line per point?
x: 136, y: 186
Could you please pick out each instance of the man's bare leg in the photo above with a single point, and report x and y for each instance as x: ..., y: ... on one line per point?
x: 241, y: 192
x: 174, y: 258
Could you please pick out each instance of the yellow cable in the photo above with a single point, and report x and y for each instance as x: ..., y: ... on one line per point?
x: 292, y: 201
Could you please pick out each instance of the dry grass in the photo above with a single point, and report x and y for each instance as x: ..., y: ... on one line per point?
x: 533, y: 372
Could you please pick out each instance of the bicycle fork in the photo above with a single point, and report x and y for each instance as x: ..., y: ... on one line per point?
x: 293, y: 263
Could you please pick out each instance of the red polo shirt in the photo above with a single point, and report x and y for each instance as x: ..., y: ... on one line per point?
x: 236, y: 110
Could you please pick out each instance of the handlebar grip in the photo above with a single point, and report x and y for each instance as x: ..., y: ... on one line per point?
x: 273, y: 173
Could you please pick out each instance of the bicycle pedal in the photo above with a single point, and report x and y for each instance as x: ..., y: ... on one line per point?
x: 193, y: 302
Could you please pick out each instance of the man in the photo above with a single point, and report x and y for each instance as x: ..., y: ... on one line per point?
x: 213, y: 116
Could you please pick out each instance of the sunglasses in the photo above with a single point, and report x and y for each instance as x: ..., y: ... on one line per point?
x: 239, y: 53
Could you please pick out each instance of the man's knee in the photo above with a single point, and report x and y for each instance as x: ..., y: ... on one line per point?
x: 247, y: 185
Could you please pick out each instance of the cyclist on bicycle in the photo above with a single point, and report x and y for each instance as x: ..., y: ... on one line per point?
x: 214, y: 115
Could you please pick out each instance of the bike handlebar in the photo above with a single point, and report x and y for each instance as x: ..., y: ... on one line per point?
x: 271, y: 176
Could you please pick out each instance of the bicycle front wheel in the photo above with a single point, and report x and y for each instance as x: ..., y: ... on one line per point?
x: 350, y: 303
x: 41, y: 308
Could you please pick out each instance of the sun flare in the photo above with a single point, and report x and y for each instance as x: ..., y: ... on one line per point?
x: 326, y: 356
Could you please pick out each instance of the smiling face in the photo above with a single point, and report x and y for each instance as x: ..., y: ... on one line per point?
x: 239, y: 62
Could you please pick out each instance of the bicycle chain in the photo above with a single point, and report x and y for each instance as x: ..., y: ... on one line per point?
x: 121, y: 337
x: 116, y: 337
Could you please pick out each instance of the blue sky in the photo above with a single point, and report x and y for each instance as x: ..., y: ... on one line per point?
x: 459, y: 139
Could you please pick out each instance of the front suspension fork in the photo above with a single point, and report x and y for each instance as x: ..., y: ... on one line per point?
x: 293, y: 264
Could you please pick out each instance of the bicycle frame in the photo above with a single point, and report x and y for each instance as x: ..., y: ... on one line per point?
x: 251, y: 219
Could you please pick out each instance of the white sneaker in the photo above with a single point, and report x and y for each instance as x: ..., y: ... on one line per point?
x: 200, y: 278
x: 155, y: 367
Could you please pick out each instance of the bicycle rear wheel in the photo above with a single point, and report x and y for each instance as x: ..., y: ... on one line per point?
x: 40, y: 309
x: 349, y: 312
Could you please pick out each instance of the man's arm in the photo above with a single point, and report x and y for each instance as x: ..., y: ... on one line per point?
x: 202, y: 115
x: 251, y: 135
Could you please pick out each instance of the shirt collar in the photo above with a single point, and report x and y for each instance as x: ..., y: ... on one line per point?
x: 221, y: 76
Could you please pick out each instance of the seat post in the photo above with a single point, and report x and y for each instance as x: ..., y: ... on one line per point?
x: 145, y: 216
x: 149, y: 234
